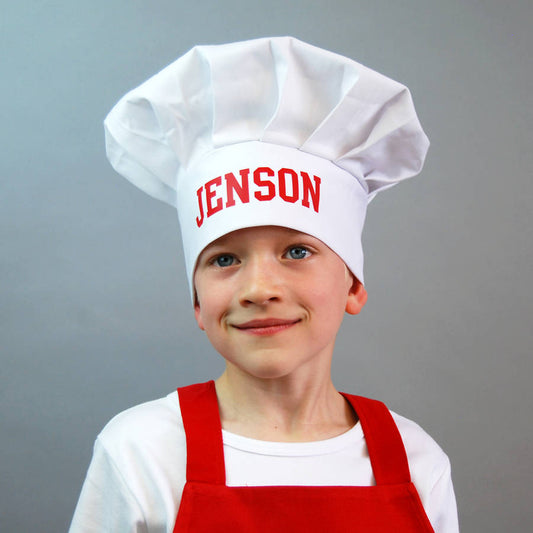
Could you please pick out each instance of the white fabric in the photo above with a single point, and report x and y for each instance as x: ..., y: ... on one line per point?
x: 191, y: 124
x: 137, y: 473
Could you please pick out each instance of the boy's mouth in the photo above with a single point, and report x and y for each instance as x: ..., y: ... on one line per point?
x: 266, y: 326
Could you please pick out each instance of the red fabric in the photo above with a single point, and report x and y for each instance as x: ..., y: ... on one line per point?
x: 208, y: 505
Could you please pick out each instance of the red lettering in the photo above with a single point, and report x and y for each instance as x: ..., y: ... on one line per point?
x: 210, y: 194
x: 200, y: 220
x: 309, y: 190
x: 242, y: 189
x: 283, y: 185
x: 263, y: 197
x: 266, y: 190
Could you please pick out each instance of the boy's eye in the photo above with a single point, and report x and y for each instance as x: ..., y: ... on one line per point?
x: 298, y: 252
x: 224, y: 260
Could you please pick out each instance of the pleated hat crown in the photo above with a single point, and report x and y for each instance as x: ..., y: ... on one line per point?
x: 270, y: 131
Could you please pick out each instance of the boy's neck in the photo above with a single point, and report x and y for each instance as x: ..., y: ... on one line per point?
x: 282, y: 410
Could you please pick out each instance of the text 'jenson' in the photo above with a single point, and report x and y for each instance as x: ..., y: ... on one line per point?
x: 290, y: 186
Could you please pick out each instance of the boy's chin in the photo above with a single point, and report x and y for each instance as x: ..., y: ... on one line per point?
x: 267, y: 369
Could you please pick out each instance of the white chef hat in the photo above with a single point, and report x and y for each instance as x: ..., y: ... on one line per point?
x: 271, y: 131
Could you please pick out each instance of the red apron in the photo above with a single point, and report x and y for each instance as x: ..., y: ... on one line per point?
x: 208, y: 505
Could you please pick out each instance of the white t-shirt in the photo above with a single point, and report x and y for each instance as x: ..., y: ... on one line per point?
x: 136, y: 477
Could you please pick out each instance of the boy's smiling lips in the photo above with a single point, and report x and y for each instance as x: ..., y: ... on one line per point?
x: 266, y: 326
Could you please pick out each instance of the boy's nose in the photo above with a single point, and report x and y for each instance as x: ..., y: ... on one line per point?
x: 261, y: 284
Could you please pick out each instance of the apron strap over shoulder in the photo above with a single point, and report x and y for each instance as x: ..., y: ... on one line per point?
x: 203, y: 431
x: 383, y: 440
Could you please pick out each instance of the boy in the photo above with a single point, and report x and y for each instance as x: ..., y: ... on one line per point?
x: 270, y: 150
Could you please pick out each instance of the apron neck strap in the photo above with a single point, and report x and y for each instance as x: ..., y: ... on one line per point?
x: 383, y: 440
x: 203, y: 431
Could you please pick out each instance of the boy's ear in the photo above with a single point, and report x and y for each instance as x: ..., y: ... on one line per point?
x: 357, y: 297
x: 197, y: 313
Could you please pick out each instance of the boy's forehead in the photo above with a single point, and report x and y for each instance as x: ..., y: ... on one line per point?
x: 259, y: 232
x: 281, y: 235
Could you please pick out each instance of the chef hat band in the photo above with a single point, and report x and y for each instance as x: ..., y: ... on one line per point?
x: 270, y: 131
x: 261, y: 184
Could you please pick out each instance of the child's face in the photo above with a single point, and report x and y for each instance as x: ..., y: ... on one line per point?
x: 272, y: 299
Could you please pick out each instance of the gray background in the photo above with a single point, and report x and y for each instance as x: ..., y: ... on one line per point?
x: 94, y: 309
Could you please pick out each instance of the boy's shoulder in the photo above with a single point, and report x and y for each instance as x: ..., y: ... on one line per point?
x: 415, y: 438
x: 427, y: 460
x: 144, y: 426
x: 137, y: 470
